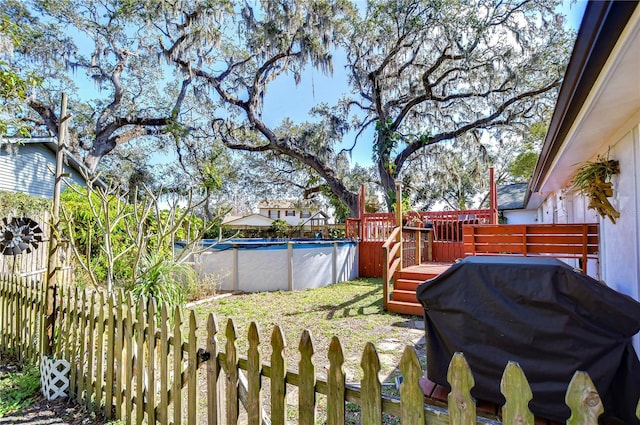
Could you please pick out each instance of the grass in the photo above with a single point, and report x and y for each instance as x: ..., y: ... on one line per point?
x: 352, y: 311
x: 18, y: 389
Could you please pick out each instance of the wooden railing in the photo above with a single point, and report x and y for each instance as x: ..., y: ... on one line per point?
x: 132, y: 364
x: 417, y: 243
x: 579, y: 241
x: 392, y: 257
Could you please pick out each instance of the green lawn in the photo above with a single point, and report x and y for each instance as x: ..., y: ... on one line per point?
x: 352, y: 311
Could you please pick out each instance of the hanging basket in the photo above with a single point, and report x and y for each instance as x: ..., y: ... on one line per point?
x: 593, y: 181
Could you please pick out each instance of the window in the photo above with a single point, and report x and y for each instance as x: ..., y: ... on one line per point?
x: 305, y: 214
x: 290, y: 213
x: 274, y: 214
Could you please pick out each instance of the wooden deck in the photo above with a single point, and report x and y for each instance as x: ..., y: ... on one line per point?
x: 403, y: 298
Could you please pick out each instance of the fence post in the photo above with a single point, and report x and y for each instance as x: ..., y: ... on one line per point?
x: 385, y: 277
x: 213, y: 374
x: 399, y: 218
x: 290, y: 265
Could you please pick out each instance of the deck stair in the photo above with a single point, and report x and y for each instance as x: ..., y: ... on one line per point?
x: 403, y: 298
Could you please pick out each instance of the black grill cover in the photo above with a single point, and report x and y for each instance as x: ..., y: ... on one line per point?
x: 541, y: 313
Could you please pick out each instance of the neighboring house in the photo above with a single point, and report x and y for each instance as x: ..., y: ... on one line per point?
x: 511, y: 208
x: 28, y: 166
x: 252, y: 220
x: 598, y: 113
x: 294, y: 213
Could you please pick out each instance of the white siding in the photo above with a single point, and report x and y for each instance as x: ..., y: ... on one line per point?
x: 621, y: 242
x: 520, y: 216
x: 29, y: 169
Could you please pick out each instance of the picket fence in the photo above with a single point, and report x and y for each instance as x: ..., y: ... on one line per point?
x: 133, y: 362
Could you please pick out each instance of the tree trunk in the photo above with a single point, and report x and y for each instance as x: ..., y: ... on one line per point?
x: 388, y: 183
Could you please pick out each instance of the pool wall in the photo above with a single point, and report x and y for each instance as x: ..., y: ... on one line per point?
x: 276, y: 266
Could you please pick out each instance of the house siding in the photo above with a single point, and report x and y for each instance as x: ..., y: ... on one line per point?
x: 620, y: 265
x: 29, y: 169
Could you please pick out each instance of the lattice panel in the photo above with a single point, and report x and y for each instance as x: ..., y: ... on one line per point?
x: 54, y: 377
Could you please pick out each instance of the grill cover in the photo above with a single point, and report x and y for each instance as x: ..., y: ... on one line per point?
x: 541, y: 313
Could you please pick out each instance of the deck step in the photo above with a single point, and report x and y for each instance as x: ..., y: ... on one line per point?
x: 403, y: 307
x: 419, y: 276
x: 405, y: 295
x: 406, y: 284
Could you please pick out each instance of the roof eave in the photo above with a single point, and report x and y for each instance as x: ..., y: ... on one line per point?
x: 601, y: 26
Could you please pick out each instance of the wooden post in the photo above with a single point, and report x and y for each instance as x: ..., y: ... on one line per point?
x: 493, y: 196
x: 361, y: 213
x: 418, y: 240
x: 53, y: 263
x: 290, y: 265
x: 399, y: 217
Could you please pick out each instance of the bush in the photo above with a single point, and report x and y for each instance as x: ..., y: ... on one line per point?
x: 21, y: 204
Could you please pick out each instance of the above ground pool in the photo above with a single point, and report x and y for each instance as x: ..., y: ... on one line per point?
x: 251, y: 265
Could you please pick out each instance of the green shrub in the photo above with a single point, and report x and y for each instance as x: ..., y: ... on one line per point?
x: 21, y: 204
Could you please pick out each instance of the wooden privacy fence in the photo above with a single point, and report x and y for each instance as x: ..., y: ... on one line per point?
x: 130, y: 363
x: 578, y: 241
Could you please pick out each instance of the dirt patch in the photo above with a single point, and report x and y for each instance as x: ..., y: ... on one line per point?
x: 56, y: 412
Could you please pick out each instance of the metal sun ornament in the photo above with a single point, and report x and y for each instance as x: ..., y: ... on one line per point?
x: 18, y: 236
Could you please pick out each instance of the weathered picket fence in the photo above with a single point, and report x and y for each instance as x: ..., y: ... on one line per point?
x: 131, y: 362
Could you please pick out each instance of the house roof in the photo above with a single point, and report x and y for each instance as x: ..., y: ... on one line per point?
x: 286, y: 204
x: 599, y: 96
x: 257, y: 220
x: 511, y: 196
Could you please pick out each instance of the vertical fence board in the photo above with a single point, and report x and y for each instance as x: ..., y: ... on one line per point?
x: 163, y: 411
x: 128, y: 359
x: 120, y: 354
x: 177, y: 367
x: 111, y: 341
x: 151, y: 362
x: 75, y: 344
x: 371, y: 386
x: 278, y: 373
x: 192, y: 369
x: 140, y: 327
x: 231, y: 388
x: 82, y: 329
x: 88, y: 384
x: 517, y: 393
x: 336, y: 381
x: 306, y: 390
x: 99, y: 352
x: 462, y: 408
x: 583, y: 400
x: 214, y: 414
x: 411, y: 396
x: 254, y: 372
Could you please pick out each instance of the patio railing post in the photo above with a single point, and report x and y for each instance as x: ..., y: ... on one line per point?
x: 399, y: 217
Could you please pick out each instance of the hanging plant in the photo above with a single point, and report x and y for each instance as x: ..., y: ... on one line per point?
x: 593, y: 181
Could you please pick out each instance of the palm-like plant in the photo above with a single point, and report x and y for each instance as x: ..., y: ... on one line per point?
x: 166, y: 280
